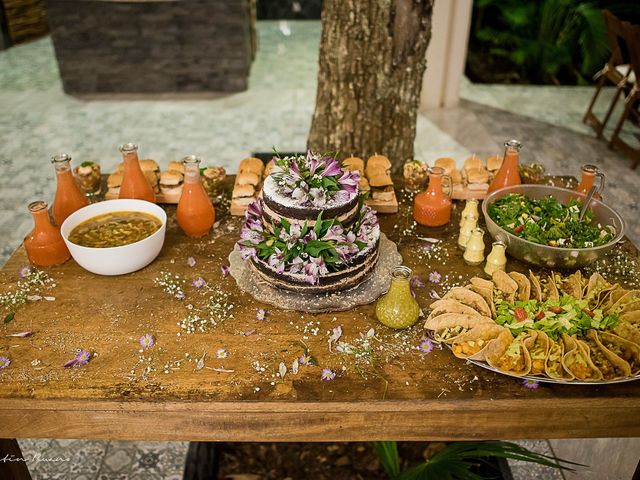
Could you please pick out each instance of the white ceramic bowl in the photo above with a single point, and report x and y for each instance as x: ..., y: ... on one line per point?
x: 115, y: 260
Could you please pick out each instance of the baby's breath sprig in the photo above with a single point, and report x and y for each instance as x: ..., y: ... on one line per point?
x: 215, y: 311
x: 30, y: 287
x: 171, y: 283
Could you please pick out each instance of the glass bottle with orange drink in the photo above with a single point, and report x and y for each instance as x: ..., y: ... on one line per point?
x: 134, y: 184
x: 195, y: 212
x: 433, y: 207
x: 69, y: 197
x: 589, y: 174
x: 44, y: 245
x: 509, y: 173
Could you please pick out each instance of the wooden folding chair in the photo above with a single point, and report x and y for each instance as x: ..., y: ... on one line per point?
x: 631, y: 101
x: 616, y: 71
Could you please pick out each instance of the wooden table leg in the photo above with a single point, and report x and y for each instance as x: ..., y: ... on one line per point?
x: 202, y: 461
x: 12, y: 464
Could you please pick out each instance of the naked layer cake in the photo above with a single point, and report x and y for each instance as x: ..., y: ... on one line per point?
x: 310, y: 231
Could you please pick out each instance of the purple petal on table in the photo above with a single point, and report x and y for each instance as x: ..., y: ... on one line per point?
x: 70, y: 363
x: 225, y: 270
x: 21, y: 334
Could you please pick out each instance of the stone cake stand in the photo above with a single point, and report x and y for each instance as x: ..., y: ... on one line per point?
x: 367, y: 292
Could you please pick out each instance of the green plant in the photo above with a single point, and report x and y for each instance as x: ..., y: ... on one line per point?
x: 457, y: 459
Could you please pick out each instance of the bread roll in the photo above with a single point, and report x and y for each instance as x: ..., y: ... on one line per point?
x: 251, y: 164
x: 248, y: 178
x: 447, y: 163
x: 385, y: 194
x: 477, y: 175
x: 268, y: 168
x: 379, y: 179
x: 472, y: 162
x: 176, y: 165
x: 353, y: 164
x: 243, y: 191
x: 149, y: 165
x: 456, y: 176
x: 494, y: 162
x: 376, y: 165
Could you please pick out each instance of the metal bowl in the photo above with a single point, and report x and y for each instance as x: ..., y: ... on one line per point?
x: 544, y: 255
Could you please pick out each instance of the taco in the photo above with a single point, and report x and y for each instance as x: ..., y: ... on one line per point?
x: 524, y: 285
x: 538, y: 346
x: 631, y: 317
x: 598, y: 291
x: 469, y: 298
x: 487, y: 295
x: 450, y: 306
x: 628, y: 298
x: 576, y: 359
x: 449, y: 326
x: 481, y: 283
x: 633, y: 306
x: 625, y: 349
x: 505, y: 284
x: 536, y: 288
x: 473, y: 344
x: 509, y: 354
x: 549, y: 288
x: 610, y: 365
x: 628, y: 331
x: 571, y: 285
x: 553, y: 366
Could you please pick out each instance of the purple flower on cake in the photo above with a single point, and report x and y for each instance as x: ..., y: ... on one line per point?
x: 254, y: 210
x: 296, y: 265
x: 318, y: 197
x: 261, y: 314
x: 198, y: 282
x: 328, y: 374
x: 311, y: 235
x: 225, y: 270
x: 299, y: 194
x: 147, y: 340
x: 251, y: 236
x: 425, y: 346
x: 191, y: 262
x: 313, y: 269
x: 332, y: 168
x: 335, y: 232
x: 247, y: 252
x: 4, y: 362
x: 349, y: 181
x: 533, y: 384
x: 435, y: 277
x: 254, y: 224
x: 25, y: 272
x: 276, y: 260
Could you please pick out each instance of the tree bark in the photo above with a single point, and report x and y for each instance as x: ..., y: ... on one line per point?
x: 372, y: 59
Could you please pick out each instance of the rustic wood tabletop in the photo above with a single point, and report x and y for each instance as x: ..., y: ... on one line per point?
x: 385, y: 387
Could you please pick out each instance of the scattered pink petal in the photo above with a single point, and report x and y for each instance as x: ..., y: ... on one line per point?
x: 70, y: 363
x: 147, y: 340
x: 191, y: 262
x: 248, y: 332
x: 225, y: 270
x: 21, y: 334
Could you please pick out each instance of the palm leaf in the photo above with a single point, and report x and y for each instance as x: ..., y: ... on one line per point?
x: 387, y: 453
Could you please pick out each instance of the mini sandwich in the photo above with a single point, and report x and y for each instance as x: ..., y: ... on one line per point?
x: 376, y: 165
x: 243, y: 194
x: 268, y: 168
x: 379, y: 178
x: 113, y: 184
x: 149, y: 165
x: 213, y: 180
x: 383, y: 194
x: 472, y: 162
x: 177, y: 166
x: 171, y: 185
x: 448, y: 164
x: 456, y: 176
x: 477, y: 175
x: 494, y: 163
x: 251, y: 164
x: 248, y: 178
x: 355, y: 164
x: 153, y: 179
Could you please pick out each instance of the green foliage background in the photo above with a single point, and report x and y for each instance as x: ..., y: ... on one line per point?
x: 541, y: 41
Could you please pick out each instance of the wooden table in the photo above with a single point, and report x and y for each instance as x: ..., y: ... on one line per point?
x: 403, y: 394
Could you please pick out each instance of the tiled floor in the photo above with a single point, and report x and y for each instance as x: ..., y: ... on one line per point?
x: 37, y: 120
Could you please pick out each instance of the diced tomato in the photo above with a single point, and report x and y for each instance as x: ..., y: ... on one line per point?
x: 588, y: 312
x: 540, y: 315
x: 555, y: 309
x: 519, y: 228
x: 520, y: 314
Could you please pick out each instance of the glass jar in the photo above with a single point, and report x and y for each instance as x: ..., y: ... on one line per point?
x: 68, y: 196
x: 433, y: 207
x: 397, y: 308
x: 497, y: 259
x: 195, y: 212
x: 589, y: 174
x: 474, y: 251
x: 509, y: 173
x: 134, y: 183
x: 468, y: 225
x: 88, y: 178
x: 44, y: 245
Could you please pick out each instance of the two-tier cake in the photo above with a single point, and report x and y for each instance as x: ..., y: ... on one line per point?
x: 310, y: 231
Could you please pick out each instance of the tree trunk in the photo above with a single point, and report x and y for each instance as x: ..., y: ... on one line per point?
x: 372, y: 59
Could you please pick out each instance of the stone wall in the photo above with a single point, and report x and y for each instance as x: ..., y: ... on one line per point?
x: 152, y: 46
